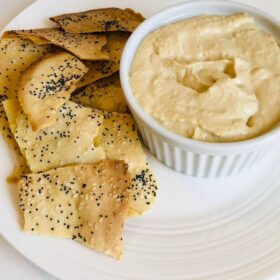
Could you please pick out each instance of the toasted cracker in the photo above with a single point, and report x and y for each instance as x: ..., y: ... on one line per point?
x: 16, y: 55
x: 115, y: 44
x: 21, y: 166
x: 68, y: 141
x: 84, y: 46
x: 102, y: 69
x: 118, y: 137
x: 98, y: 70
x: 99, y: 20
x: 105, y: 94
x: 46, y: 85
x: 87, y: 203
x: 28, y: 36
x: 143, y: 191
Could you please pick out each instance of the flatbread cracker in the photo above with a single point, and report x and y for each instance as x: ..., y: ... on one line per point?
x: 34, y: 38
x: 16, y: 55
x: 98, y: 70
x: 143, y: 191
x: 102, y: 69
x: 105, y: 94
x: 21, y: 166
x: 87, y: 203
x: 115, y: 44
x: 84, y: 46
x: 118, y: 137
x: 68, y: 141
x: 46, y: 85
x: 99, y: 20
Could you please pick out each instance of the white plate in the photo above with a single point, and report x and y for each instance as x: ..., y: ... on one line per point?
x: 199, y: 229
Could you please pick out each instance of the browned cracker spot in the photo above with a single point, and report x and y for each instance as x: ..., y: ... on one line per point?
x: 68, y: 141
x: 105, y: 94
x: 46, y: 85
x: 84, y: 46
x: 87, y: 203
x: 101, y: 69
x: 99, y: 20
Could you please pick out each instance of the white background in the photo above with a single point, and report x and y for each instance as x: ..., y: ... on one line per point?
x: 12, y: 265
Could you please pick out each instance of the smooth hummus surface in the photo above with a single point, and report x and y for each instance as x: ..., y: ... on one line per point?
x: 210, y: 78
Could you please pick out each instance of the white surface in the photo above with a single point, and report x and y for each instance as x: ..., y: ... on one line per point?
x: 13, y: 266
x: 191, y: 157
x: 195, y: 198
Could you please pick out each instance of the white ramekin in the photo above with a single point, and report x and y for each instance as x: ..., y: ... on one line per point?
x: 196, y: 158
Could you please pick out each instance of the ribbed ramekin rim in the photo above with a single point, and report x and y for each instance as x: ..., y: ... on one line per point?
x: 187, y: 143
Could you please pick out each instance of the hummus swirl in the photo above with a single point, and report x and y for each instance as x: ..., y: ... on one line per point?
x: 210, y: 78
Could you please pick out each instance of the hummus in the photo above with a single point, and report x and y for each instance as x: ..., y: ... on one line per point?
x: 210, y: 78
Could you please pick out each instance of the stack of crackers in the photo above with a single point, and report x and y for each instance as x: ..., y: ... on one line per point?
x: 81, y: 167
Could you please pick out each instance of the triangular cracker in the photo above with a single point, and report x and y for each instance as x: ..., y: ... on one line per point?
x: 84, y: 46
x: 105, y: 94
x: 46, y: 85
x: 118, y: 137
x: 68, y: 141
x: 99, y: 20
x: 87, y: 203
x: 102, y: 69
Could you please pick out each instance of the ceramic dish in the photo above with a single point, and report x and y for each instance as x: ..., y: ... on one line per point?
x: 200, y: 229
x: 191, y: 157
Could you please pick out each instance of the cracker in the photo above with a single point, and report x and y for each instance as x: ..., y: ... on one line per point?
x: 21, y: 166
x: 115, y: 44
x: 143, y: 191
x: 68, y: 141
x: 99, y: 20
x: 102, y: 69
x: 16, y: 34
x: 16, y: 55
x: 87, y: 203
x: 98, y: 70
x: 46, y: 85
x: 118, y: 137
x: 105, y: 94
x: 84, y: 46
